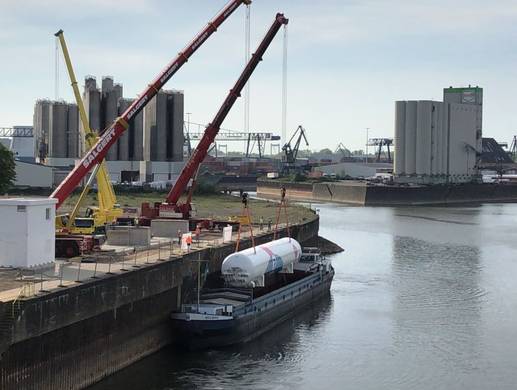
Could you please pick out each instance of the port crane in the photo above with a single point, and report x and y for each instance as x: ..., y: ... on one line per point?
x: 291, y: 152
x: 380, y: 143
x: 513, y: 149
x: 99, y: 150
x: 171, y: 206
x: 108, y: 209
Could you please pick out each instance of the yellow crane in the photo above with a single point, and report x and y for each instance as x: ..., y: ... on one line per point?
x: 108, y: 209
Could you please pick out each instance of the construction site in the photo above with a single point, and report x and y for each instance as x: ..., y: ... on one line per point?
x: 122, y: 207
x: 90, y: 287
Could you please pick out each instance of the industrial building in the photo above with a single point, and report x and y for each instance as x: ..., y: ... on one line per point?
x: 150, y: 150
x: 439, y: 142
x: 29, y: 174
x: 56, y: 132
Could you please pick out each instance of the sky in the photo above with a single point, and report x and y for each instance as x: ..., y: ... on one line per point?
x: 348, y: 60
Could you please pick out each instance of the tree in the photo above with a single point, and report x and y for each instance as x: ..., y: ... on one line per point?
x: 7, y: 169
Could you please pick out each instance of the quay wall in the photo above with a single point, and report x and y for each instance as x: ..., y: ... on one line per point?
x: 73, y: 337
x: 366, y: 194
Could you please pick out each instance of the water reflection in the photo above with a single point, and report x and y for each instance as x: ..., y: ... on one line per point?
x: 260, y: 364
x: 437, y: 308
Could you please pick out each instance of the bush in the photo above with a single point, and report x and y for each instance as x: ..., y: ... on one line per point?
x: 7, y: 169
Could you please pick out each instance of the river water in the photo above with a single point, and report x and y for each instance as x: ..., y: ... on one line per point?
x: 423, y: 298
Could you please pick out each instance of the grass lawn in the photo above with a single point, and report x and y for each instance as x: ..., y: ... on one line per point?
x: 214, y: 206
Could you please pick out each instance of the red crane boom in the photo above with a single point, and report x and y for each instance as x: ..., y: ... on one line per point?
x: 212, y: 129
x: 110, y: 136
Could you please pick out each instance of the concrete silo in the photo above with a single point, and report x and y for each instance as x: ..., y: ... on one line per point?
x: 126, y: 138
x: 58, y: 139
x: 41, y: 124
x: 423, y: 137
x: 400, y: 138
x: 73, y: 131
x: 110, y: 105
x: 177, y: 126
x: 410, y: 137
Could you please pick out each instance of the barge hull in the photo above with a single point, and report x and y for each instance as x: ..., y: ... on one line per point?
x: 217, y: 334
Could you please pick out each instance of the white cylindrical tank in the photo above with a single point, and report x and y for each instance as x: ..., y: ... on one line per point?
x: 247, y: 268
x: 445, y: 139
x: 438, y: 140
x: 423, y: 138
x: 410, y: 155
x: 400, y: 136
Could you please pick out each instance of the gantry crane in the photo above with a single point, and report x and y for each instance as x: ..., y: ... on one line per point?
x: 108, y: 209
x: 120, y: 125
x: 172, y: 205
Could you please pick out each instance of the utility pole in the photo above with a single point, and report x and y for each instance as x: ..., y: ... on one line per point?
x: 188, y: 121
x: 366, y: 157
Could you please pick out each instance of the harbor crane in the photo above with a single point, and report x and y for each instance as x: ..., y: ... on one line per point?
x: 344, y: 151
x: 513, y: 148
x: 291, y: 152
x: 171, y: 206
x: 99, y: 150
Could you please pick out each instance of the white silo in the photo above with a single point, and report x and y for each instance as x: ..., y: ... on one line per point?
x: 423, y: 137
x: 400, y: 137
x: 436, y: 139
x: 445, y: 140
x: 410, y: 138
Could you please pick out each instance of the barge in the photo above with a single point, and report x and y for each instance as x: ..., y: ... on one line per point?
x: 233, y: 315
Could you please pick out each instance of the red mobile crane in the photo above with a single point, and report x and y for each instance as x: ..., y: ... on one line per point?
x: 191, y: 167
x: 110, y: 136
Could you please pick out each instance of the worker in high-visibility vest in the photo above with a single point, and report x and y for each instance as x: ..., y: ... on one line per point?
x: 189, y: 242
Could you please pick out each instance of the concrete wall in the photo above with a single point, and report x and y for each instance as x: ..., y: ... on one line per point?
x: 168, y: 227
x: 33, y: 175
x: 73, y: 337
x: 353, y: 169
x: 128, y: 235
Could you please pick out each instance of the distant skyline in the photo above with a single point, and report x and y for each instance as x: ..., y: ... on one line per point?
x: 349, y: 60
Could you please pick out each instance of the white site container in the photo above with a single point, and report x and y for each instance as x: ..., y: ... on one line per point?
x: 27, y: 232
x: 247, y: 268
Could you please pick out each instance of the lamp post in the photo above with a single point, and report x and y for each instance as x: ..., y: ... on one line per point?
x: 188, y: 121
x: 366, y: 155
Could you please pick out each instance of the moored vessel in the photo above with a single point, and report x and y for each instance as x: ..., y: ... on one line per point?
x: 257, y: 294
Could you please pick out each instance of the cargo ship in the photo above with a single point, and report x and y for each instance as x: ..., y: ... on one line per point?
x: 262, y: 287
